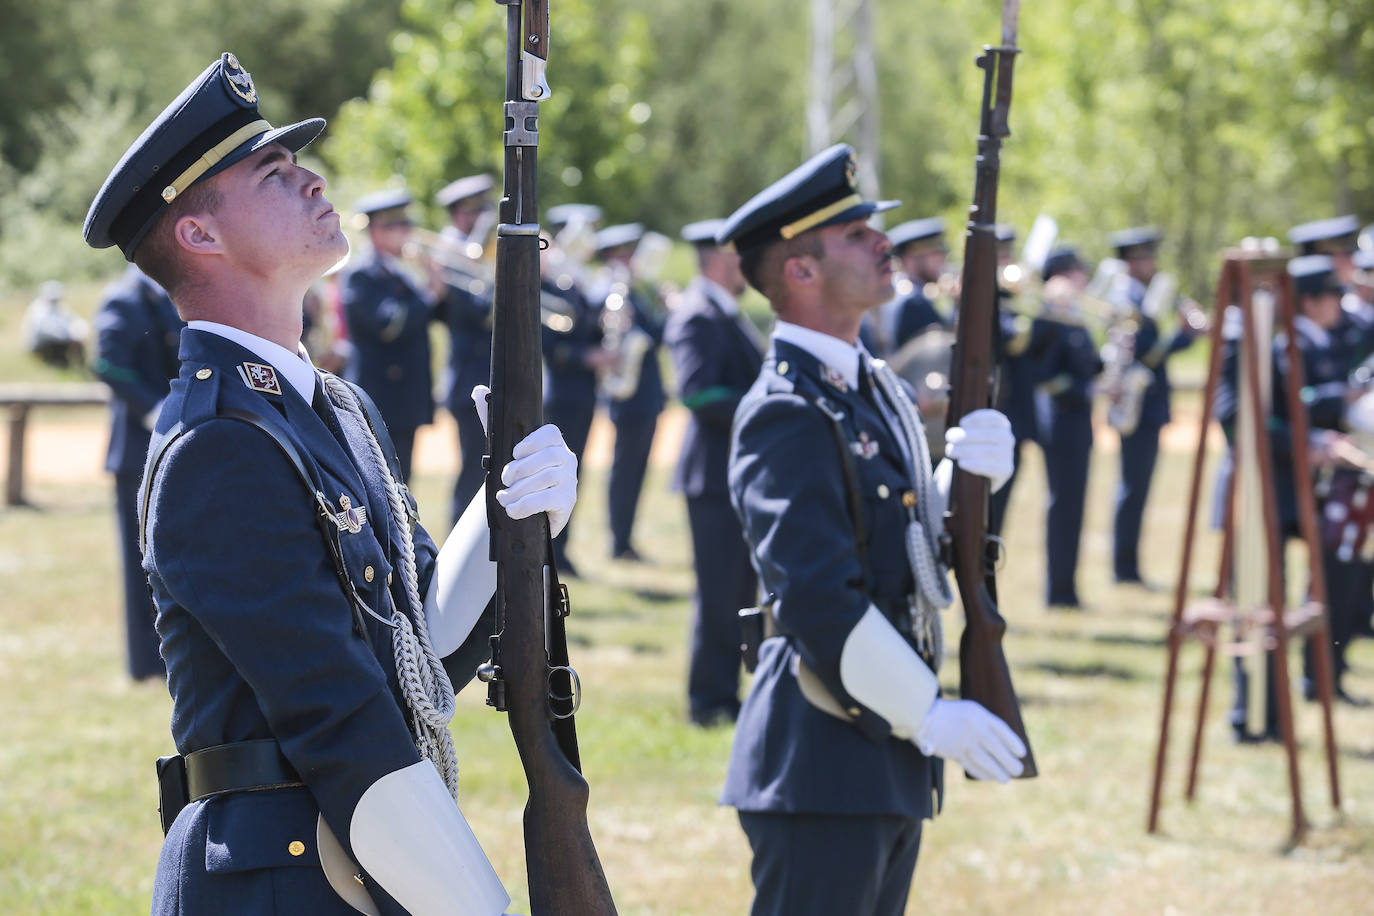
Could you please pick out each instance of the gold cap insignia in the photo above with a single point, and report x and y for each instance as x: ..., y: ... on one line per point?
x: 239, y: 80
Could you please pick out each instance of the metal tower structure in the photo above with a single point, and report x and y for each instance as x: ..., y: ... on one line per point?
x: 842, y: 92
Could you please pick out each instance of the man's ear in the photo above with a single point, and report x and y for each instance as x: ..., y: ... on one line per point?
x: 197, y: 233
x: 801, y: 269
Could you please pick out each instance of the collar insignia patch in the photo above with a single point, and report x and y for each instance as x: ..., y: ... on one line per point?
x: 260, y: 377
x: 865, y: 448
x: 835, y: 377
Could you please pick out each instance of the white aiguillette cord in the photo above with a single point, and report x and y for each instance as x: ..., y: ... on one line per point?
x: 424, y: 682
x: 922, y: 547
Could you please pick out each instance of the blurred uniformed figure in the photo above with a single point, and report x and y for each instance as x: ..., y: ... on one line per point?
x: 1338, y: 239
x: 388, y: 317
x: 573, y: 354
x: 1023, y: 339
x: 716, y: 354
x: 1138, y: 248
x: 920, y: 250
x: 465, y: 307
x: 136, y: 330
x: 838, y: 744
x: 1064, y: 419
x: 52, y: 331
x: 305, y: 618
x: 633, y: 321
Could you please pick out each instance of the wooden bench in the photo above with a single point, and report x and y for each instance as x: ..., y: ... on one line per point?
x: 20, y: 398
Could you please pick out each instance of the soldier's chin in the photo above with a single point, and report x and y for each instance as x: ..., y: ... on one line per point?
x: 338, y: 265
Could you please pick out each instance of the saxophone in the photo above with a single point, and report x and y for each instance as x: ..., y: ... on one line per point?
x: 1124, y: 379
x: 628, y: 342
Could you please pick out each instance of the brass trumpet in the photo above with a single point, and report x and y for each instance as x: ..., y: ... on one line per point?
x: 462, y: 266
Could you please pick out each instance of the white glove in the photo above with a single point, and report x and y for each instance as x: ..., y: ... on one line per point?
x: 541, y: 475
x: 982, y: 444
x: 965, y: 732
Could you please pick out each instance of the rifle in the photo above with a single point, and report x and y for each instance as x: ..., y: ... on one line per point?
x: 528, y: 675
x: 983, y: 672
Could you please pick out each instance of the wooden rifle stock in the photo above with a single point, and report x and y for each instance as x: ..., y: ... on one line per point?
x: 528, y: 675
x: 983, y: 672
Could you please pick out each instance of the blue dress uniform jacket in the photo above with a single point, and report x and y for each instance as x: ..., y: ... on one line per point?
x: 716, y: 363
x: 259, y: 638
x: 388, y: 322
x: 787, y: 485
x: 915, y: 316
x: 137, y: 329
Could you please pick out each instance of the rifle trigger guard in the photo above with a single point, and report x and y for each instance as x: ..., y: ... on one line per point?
x: 997, y: 551
x: 575, y: 697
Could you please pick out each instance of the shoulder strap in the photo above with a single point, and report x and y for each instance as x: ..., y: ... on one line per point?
x: 853, y: 492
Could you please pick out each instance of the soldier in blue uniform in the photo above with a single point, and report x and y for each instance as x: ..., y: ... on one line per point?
x: 1023, y: 340
x: 573, y: 354
x: 1064, y: 418
x: 136, y: 355
x: 388, y: 319
x: 465, y: 308
x: 634, y: 394
x: 1140, y: 448
x: 919, y: 247
x: 305, y: 617
x: 838, y: 744
x: 716, y: 353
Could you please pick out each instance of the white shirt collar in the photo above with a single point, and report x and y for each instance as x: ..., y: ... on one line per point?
x: 719, y: 295
x: 296, y: 367
x: 840, y: 355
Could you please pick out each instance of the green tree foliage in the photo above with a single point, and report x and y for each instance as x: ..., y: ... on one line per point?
x: 1213, y: 121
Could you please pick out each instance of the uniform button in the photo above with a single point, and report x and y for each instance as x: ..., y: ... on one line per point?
x: 783, y: 367
x: 297, y: 848
x: 388, y: 578
x: 854, y: 711
x: 369, y: 574
x: 909, y: 498
x: 203, y: 374
x: 883, y: 491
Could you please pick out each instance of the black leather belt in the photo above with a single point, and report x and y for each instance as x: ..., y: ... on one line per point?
x: 244, y: 766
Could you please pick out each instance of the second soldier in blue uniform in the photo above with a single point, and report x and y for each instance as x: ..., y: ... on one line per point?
x: 838, y: 744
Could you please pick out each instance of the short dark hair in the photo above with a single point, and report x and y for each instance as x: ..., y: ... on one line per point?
x: 762, y: 265
x: 158, y: 255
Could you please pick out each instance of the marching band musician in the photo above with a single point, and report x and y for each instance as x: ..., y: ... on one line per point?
x: 1064, y: 408
x: 1331, y: 345
x: 465, y: 308
x: 920, y: 250
x: 838, y: 743
x: 628, y: 307
x: 388, y: 319
x: 716, y: 353
x: 305, y: 617
x: 1022, y: 339
x: 1138, y: 249
x: 1338, y: 238
x: 573, y: 354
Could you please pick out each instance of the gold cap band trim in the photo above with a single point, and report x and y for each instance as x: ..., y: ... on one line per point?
x: 213, y: 155
x: 792, y: 230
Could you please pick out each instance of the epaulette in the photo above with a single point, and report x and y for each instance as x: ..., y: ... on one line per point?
x: 201, y: 400
x: 782, y: 376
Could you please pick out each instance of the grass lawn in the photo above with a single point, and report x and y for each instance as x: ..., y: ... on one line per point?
x: 79, y: 831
